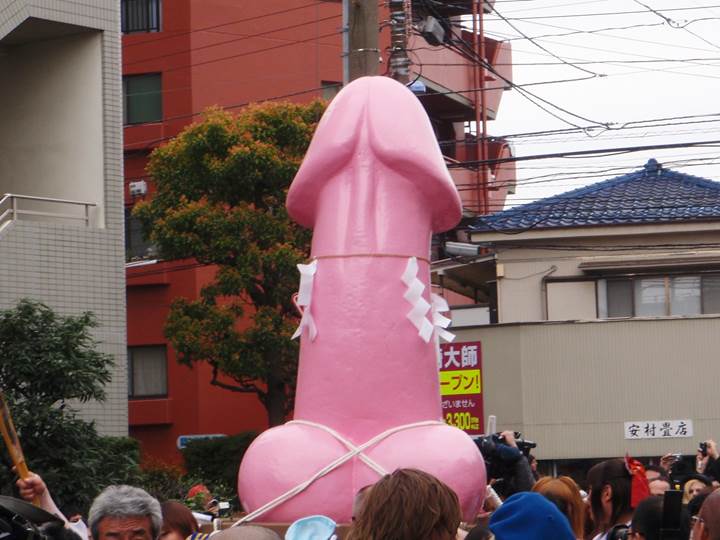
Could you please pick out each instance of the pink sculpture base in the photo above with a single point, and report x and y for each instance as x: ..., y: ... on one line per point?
x: 285, y: 456
x: 374, y: 187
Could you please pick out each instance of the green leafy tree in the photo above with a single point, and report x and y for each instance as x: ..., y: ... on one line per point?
x: 47, y: 360
x: 221, y: 187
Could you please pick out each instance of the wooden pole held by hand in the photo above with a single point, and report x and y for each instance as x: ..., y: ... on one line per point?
x: 9, y: 435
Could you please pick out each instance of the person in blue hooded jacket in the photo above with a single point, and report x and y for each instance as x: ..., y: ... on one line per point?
x: 529, y: 516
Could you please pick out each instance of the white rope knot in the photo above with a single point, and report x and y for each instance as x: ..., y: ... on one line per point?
x: 304, y: 300
x: 353, y: 451
x: 414, y: 295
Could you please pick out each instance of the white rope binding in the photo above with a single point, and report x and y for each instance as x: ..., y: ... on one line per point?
x: 352, y: 452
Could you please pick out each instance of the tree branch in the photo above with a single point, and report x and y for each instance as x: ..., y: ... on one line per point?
x: 242, y: 388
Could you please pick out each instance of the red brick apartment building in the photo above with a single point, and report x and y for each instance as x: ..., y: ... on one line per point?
x: 182, y: 56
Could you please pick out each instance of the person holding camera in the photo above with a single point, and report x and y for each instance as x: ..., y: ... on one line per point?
x: 708, y: 460
x: 506, y: 462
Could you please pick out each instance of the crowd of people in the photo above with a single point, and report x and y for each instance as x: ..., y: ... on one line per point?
x: 623, y: 500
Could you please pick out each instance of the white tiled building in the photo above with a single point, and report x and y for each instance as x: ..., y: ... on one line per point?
x: 61, y: 226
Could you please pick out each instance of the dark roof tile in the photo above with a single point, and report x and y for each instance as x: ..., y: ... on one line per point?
x: 649, y: 195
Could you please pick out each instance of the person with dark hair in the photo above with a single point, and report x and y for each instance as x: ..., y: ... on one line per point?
x: 693, y: 507
x: 57, y: 531
x: 479, y: 532
x: 647, y: 520
x: 655, y: 471
x: 706, y: 525
x: 532, y: 461
x: 611, y: 493
x: 178, y: 521
x: 408, y: 505
x: 708, y: 460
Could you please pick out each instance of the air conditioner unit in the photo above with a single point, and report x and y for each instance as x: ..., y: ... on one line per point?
x: 432, y: 30
x: 138, y: 188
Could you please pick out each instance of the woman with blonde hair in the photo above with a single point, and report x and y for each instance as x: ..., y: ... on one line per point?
x: 693, y: 486
x: 565, y: 494
x: 408, y: 505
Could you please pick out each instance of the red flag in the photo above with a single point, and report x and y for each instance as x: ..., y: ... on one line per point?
x: 640, y: 490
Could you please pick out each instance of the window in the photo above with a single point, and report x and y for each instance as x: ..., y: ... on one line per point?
x: 142, y: 98
x: 136, y: 245
x: 657, y: 296
x: 147, y: 372
x: 140, y: 16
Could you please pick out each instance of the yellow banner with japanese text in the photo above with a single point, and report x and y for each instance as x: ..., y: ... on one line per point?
x: 460, y: 382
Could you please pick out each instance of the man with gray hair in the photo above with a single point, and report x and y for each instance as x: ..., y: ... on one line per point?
x: 125, y: 513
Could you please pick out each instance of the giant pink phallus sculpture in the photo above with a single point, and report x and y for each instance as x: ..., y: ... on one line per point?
x: 374, y: 187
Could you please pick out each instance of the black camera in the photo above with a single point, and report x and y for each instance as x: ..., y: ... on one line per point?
x: 703, y: 448
x: 499, y: 457
x: 23, y: 521
x: 619, y: 532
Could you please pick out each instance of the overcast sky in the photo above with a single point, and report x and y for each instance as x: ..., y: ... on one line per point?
x: 613, y: 93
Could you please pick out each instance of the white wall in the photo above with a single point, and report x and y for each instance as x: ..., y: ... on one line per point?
x: 51, y: 134
x: 571, y: 301
x: 522, y: 298
x: 572, y: 386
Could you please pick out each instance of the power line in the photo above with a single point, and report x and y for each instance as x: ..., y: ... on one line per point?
x: 147, y: 142
x: 634, y: 12
x: 673, y: 24
x: 609, y: 151
x: 167, y: 35
x: 605, y: 50
x: 471, y: 55
x: 541, y: 47
x: 235, y: 40
x: 605, y: 61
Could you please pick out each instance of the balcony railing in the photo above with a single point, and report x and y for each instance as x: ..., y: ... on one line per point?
x: 14, y: 207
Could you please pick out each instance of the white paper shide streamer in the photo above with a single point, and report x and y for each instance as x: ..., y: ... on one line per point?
x: 304, y: 300
x: 414, y: 295
x: 440, y: 322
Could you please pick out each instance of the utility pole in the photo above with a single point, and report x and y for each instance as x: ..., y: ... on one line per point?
x: 361, y: 51
x: 399, y: 61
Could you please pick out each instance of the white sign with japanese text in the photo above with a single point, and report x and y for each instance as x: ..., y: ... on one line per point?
x: 658, y: 429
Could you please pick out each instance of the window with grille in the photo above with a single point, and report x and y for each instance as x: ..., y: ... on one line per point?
x: 140, y: 16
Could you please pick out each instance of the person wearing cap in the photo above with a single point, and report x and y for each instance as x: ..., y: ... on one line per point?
x: 529, y: 516
x: 312, y: 528
x: 693, y: 485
